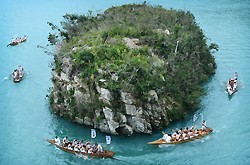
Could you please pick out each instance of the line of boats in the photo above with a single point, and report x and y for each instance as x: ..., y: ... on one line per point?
x: 110, y: 154
x: 18, y: 73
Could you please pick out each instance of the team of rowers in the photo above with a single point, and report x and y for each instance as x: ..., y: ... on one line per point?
x: 18, y: 40
x: 79, y: 146
x: 18, y: 73
x: 232, y: 83
x: 186, y: 133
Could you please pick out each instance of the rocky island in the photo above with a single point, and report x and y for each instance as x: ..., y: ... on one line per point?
x: 133, y: 68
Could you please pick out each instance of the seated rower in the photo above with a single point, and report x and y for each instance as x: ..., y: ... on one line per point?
x: 74, y: 142
x: 180, y: 131
x: 99, y: 148
x: 82, y: 149
x: 16, y: 74
x: 200, y: 131
x: 177, y: 137
x: 196, y: 133
x: 191, y: 134
x: 188, y: 136
x: 88, y: 146
x: 231, y: 83
x: 23, y: 39
x: 69, y: 147
x: 173, y: 136
x: 234, y: 86
x: 185, y: 136
x: 95, y: 147
x: 76, y: 148
x: 167, y: 138
x: 80, y: 143
x: 57, y: 141
x: 20, y: 70
x: 185, y: 130
x: 181, y: 137
x: 65, y: 141
x: 164, y: 137
x: 90, y: 151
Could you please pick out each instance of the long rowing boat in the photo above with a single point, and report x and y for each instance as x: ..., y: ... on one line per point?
x: 161, y: 141
x: 18, y: 41
x: 18, y: 74
x: 104, y: 154
x: 232, y: 86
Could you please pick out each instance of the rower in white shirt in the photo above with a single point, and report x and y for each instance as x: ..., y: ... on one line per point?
x: 167, y: 137
x: 57, y: 141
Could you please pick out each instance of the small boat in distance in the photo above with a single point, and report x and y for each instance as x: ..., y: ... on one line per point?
x: 232, y: 85
x: 201, y: 134
x: 17, y: 41
x: 103, y: 154
x: 18, y: 74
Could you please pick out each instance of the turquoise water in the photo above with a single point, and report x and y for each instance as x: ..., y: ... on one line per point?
x: 26, y: 121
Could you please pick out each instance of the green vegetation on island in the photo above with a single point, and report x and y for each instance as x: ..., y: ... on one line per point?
x: 133, y: 68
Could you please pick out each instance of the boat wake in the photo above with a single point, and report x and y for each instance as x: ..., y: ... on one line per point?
x: 6, y: 78
x: 165, y: 145
x: 82, y: 156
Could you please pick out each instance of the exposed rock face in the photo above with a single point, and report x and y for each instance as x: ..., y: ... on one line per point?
x: 127, y: 130
x: 127, y: 98
x: 135, y: 118
x: 105, y: 95
x: 137, y: 123
x: 78, y: 120
x: 152, y: 96
x: 130, y: 110
x: 66, y: 64
x: 87, y: 121
x: 104, y: 126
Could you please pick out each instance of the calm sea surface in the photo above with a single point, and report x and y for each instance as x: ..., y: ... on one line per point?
x: 26, y: 121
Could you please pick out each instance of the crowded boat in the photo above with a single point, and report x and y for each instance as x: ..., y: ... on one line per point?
x: 17, y: 40
x: 183, y: 135
x: 79, y: 147
x: 18, y: 74
x: 232, y: 84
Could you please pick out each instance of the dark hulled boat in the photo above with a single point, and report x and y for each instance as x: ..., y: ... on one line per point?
x: 18, y: 74
x: 18, y: 41
x: 232, y: 86
x: 104, y: 154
